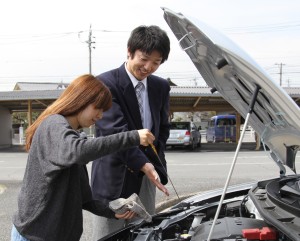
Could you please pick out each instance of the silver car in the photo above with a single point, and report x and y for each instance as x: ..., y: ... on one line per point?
x: 184, y: 134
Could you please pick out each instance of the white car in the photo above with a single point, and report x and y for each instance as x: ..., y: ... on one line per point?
x: 262, y: 210
x: 185, y: 134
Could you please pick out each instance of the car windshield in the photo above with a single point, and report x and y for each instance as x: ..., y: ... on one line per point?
x: 225, y: 122
x: 180, y: 126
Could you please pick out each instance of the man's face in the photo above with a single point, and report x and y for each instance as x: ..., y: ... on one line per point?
x: 141, y: 65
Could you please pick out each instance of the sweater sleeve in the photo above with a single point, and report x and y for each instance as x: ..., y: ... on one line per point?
x: 99, y: 207
x: 61, y: 146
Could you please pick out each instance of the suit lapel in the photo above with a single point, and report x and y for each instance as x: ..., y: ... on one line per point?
x: 130, y: 97
x: 152, y: 95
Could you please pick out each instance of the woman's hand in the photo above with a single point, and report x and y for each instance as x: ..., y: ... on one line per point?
x: 146, y: 137
x: 126, y: 215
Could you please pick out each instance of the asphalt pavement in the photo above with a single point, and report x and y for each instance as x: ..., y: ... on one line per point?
x: 9, y: 188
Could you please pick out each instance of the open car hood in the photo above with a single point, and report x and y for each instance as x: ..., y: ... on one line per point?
x: 230, y: 71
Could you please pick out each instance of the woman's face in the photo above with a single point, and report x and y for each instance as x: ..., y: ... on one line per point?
x: 89, y: 116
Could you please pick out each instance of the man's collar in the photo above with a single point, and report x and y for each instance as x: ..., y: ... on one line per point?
x: 133, y: 79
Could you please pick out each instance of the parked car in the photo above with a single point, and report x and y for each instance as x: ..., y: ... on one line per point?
x: 184, y: 134
x: 264, y: 209
x: 221, y: 128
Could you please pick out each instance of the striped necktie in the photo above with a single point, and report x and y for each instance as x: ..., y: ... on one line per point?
x: 139, y: 89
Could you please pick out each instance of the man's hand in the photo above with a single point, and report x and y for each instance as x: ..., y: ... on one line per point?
x: 146, y: 137
x: 150, y: 172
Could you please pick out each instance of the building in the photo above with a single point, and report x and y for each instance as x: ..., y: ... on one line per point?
x: 35, y: 97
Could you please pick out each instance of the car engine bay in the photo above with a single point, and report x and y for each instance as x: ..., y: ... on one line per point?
x: 253, y: 213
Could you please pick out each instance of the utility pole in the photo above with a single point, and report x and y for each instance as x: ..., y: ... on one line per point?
x: 89, y: 42
x: 280, y: 73
x: 195, y: 81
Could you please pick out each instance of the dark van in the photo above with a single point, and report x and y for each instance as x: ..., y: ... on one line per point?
x: 221, y: 128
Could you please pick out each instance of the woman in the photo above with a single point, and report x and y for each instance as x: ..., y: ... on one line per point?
x: 55, y: 187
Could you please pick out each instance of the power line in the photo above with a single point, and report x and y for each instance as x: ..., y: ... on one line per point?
x: 24, y: 39
x: 264, y: 28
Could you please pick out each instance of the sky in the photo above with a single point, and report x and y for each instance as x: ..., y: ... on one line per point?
x: 46, y: 40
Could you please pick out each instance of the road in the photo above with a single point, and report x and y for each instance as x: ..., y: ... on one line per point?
x: 190, y: 172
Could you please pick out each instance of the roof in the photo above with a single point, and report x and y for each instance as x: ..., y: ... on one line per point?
x: 40, y: 86
x: 191, y: 91
x: 293, y: 91
x: 30, y: 95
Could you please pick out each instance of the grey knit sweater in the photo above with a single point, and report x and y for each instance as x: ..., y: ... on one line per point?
x: 56, y: 187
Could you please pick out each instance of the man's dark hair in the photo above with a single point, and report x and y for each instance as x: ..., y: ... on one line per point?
x: 149, y: 38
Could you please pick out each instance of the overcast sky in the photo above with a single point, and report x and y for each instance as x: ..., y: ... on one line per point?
x: 45, y: 40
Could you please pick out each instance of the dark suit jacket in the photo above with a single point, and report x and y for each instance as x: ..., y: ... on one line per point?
x: 118, y: 175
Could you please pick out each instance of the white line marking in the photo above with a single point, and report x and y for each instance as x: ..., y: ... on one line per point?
x: 219, y: 164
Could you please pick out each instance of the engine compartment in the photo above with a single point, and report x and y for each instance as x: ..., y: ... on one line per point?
x: 246, y: 214
x: 235, y: 222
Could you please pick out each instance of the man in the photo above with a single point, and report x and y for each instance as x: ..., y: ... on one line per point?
x: 140, y: 100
